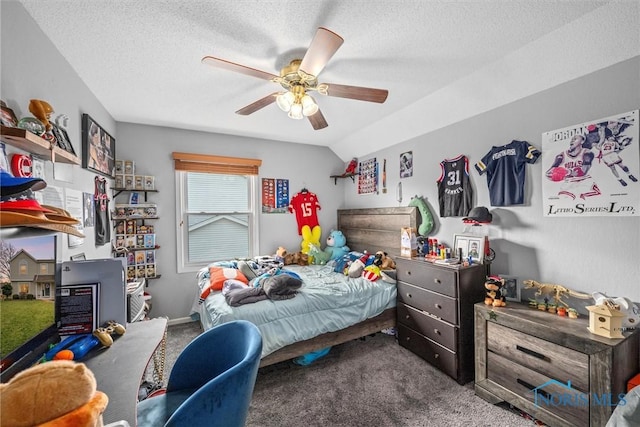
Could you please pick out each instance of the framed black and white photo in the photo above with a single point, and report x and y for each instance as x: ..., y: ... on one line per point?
x: 511, y: 288
x: 471, y: 247
x: 98, y: 148
x: 406, y: 164
x: 62, y: 138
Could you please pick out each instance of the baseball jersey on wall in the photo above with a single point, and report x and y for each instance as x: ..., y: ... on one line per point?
x: 454, y: 187
x: 305, y: 205
x: 505, y: 169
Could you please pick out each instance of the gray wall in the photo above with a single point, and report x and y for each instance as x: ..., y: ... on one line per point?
x: 32, y: 68
x: 303, y: 165
x: 586, y: 253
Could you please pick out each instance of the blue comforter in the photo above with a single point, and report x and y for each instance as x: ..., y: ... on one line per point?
x: 326, y: 302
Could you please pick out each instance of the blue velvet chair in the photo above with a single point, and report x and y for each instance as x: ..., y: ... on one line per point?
x: 211, y: 382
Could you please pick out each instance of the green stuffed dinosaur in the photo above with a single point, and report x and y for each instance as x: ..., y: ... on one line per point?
x: 320, y: 257
x: 427, y: 219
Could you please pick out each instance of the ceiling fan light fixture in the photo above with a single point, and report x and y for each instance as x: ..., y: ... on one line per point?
x: 309, y: 107
x: 296, y: 112
x: 285, y: 100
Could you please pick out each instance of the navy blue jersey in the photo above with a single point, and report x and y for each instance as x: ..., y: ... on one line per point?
x: 454, y: 187
x: 505, y: 169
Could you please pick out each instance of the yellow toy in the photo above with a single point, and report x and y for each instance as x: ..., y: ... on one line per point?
x: 42, y: 111
x: 61, y: 393
x: 310, y: 237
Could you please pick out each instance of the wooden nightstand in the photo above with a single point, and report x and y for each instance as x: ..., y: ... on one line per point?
x: 550, y: 366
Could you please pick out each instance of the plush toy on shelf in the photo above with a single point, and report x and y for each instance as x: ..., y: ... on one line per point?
x: 494, y: 297
x: 54, y: 394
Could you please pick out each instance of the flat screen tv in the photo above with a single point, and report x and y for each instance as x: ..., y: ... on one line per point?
x: 28, y: 277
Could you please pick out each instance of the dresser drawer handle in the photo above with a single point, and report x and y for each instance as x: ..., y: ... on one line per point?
x: 438, y: 306
x: 437, y: 332
x: 532, y: 353
x: 408, y: 295
x: 438, y: 281
x: 407, y: 317
x: 436, y: 356
x: 531, y: 387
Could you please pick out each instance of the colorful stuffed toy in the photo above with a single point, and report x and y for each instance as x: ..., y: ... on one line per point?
x: 384, y: 261
x: 61, y: 393
x: 318, y: 256
x: 495, y: 296
x: 426, y: 224
x: 217, y: 277
x: 310, y: 236
x: 336, y: 244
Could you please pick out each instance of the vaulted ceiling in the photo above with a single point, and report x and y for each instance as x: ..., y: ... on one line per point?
x: 442, y: 61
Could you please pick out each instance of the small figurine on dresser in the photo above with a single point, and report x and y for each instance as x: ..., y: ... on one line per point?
x: 495, y: 296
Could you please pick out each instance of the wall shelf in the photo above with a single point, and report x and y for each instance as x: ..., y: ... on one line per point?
x: 347, y: 175
x: 27, y: 141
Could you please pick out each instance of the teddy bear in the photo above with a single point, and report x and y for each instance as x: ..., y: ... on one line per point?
x: 52, y: 394
x: 494, y: 297
x: 299, y: 258
x: 336, y: 244
x: 384, y: 261
x: 280, y: 254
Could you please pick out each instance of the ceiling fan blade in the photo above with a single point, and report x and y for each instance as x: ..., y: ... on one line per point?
x: 318, y: 121
x: 260, y: 103
x: 232, y: 66
x: 324, y: 44
x: 357, y: 92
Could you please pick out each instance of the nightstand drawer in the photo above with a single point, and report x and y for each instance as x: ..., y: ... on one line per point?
x: 548, y: 394
x: 441, y: 332
x: 554, y: 360
x: 430, y: 351
x: 425, y: 275
x: 439, y: 305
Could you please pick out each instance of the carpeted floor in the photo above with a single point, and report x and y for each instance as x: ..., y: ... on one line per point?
x: 366, y: 382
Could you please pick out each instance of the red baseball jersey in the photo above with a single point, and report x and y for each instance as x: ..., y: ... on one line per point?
x: 305, y: 205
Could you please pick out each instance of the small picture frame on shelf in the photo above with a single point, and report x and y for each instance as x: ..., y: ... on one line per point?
x: 149, y: 183
x: 129, y: 167
x: 511, y: 288
x: 139, y: 182
x: 62, y: 138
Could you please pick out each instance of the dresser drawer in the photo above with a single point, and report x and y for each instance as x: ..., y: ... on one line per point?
x: 439, y: 305
x: 557, y: 362
x: 441, y: 332
x: 430, y: 351
x: 427, y: 276
x: 540, y: 389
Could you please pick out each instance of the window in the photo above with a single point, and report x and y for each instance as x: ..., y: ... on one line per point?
x: 217, y: 209
x: 23, y: 267
x: 44, y: 268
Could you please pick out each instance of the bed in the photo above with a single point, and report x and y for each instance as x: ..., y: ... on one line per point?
x: 330, y: 308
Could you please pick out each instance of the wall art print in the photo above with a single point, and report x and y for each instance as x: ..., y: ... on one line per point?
x: 368, y: 178
x: 98, y: 148
x: 592, y: 168
x: 275, y: 195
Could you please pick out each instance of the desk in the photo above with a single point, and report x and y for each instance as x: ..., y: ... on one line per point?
x: 119, y: 369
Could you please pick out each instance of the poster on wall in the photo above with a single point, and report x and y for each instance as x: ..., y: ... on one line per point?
x: 368, y: 178
x: 406, y: 164
x: 275, y: 195
x: 592, y: 168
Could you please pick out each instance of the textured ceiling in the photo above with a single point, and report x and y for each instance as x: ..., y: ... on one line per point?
x: 442, y: 61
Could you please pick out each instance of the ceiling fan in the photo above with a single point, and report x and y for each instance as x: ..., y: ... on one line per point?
x: 299, y: 77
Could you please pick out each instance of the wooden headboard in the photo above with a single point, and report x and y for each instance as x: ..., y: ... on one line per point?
x: 375, y: 229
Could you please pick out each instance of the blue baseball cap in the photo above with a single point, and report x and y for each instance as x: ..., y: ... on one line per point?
x: 9, y: 184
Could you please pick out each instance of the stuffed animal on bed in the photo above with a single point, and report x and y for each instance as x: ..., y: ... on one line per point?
x: 318, y: 256
x: 336, y: 244
x: 384, y: 261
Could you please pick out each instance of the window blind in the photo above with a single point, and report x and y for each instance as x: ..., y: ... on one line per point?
x: 215, y: 164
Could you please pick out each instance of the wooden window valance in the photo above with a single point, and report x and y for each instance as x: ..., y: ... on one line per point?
x: 215, y: 164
